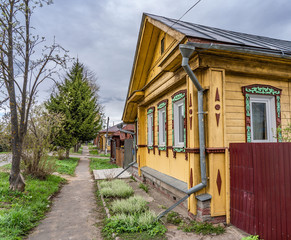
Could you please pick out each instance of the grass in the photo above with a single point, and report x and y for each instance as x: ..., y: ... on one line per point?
x: 20, y: 212
x: 133, y: 204
x: 251, y: 237
x: 4, y: 152
x: 93, y: 152
x: 79, y: 151
x: 67, y: 166
x: 104, y: 155
x: 203, y: 228
x: 97, y: 164
x: 144, y: 187
x: 115, y: 188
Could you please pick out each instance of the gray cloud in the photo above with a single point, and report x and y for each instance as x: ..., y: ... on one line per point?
x: 103, y: 33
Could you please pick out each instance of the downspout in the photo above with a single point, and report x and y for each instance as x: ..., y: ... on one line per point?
x: 186, y: 51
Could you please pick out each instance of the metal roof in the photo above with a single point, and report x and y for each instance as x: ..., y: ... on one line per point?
x: 227, y: 37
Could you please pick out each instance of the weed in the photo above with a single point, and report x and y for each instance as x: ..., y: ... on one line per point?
x: 162, y: 207
x: 204, y: 228
x: 93, y: 152
x: 251, y: 237
x: 174, y: 218
x: 144, y: 187
x: 115, y: 188
x: 132, y: 178
x: 97, y: 163
x: 130, y: 205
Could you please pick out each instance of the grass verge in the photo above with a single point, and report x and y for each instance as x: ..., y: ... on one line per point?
x: 67, y: 166
x: 20, y: 212
x: 97, y: 164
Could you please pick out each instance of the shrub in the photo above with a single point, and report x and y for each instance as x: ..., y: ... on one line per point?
x: 122, y: 223
x: 251, y: 237
x: 115, y: 188
x: 130, y: 205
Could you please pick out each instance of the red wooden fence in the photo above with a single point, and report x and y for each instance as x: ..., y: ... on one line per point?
x: 260, y: 189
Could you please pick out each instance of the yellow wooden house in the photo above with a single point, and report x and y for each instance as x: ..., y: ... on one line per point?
x: 246, y: 97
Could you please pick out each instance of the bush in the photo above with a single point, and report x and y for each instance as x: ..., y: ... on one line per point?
x: 122, y: 223
x: 130, y: 205
x: 115, y: 188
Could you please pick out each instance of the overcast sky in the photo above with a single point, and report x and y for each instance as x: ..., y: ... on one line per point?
x: 103, y: 33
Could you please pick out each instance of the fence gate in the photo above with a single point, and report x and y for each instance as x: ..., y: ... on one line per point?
x: 128, y: 152
x: 260, y: 189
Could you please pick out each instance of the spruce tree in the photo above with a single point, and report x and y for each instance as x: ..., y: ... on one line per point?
x: 77, y: 100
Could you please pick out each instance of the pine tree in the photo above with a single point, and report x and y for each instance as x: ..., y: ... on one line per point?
x: 77, y: 101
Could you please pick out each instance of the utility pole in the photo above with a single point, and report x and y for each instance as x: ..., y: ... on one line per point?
x: 106, y: 136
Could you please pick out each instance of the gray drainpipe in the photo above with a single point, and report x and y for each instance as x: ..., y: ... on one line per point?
x: 186, y: 51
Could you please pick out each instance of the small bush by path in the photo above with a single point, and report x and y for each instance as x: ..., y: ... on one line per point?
x: 97, y: 164
x: 20, y: 212
x: 67, y: 166
x: 115, y: 188
x: 134, y: 223
x: 134, y: 204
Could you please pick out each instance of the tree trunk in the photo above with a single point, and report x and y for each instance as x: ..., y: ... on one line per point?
x: 67, y: 153
x: 76, y: 148
x: 16, y: 180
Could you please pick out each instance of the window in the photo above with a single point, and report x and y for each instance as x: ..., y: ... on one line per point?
x: 263, y: 113
x: 263, y: 122
x: 162, y: 126
x: 179, y: 117
x: 150, y: 127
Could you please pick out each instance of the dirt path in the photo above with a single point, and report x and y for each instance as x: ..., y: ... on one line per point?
x: 73, y: 213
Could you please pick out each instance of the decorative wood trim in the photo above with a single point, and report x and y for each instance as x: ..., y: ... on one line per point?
x: 160, y: 105
x: 182, y: 94
x: 215, y: 150
x: 141, y: 146
x: 217, y: 97
x: 264, y: 90
x: 217, y: 115
x: 179, y: 95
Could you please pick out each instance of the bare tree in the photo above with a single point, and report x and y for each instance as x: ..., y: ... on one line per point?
x: 21, y: 72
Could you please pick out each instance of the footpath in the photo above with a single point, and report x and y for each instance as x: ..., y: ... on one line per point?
x: 73, y: 212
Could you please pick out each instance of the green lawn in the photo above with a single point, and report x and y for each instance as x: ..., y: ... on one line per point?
x: 67, y: 166
x: 97, y: 163
x: 20, y: 212
x: 4, y: 152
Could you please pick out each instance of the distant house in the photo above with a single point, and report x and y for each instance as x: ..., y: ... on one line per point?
x: 100, y: 140
x: 247, y: 98
x: 117, y: 144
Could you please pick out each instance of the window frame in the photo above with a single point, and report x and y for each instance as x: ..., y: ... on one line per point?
x: 179, y: 99
x: 150, y: 128
x: 269, y: 102
x: 162, y: 127
x: 272, y: 97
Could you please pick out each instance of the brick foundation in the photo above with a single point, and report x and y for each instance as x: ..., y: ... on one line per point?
x: 203, y: 201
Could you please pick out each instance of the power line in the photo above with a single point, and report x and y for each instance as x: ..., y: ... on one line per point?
x: 184, y: 14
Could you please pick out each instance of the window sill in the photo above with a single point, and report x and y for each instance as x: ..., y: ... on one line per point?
x: 162, y: 148
x: 178, y: 149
